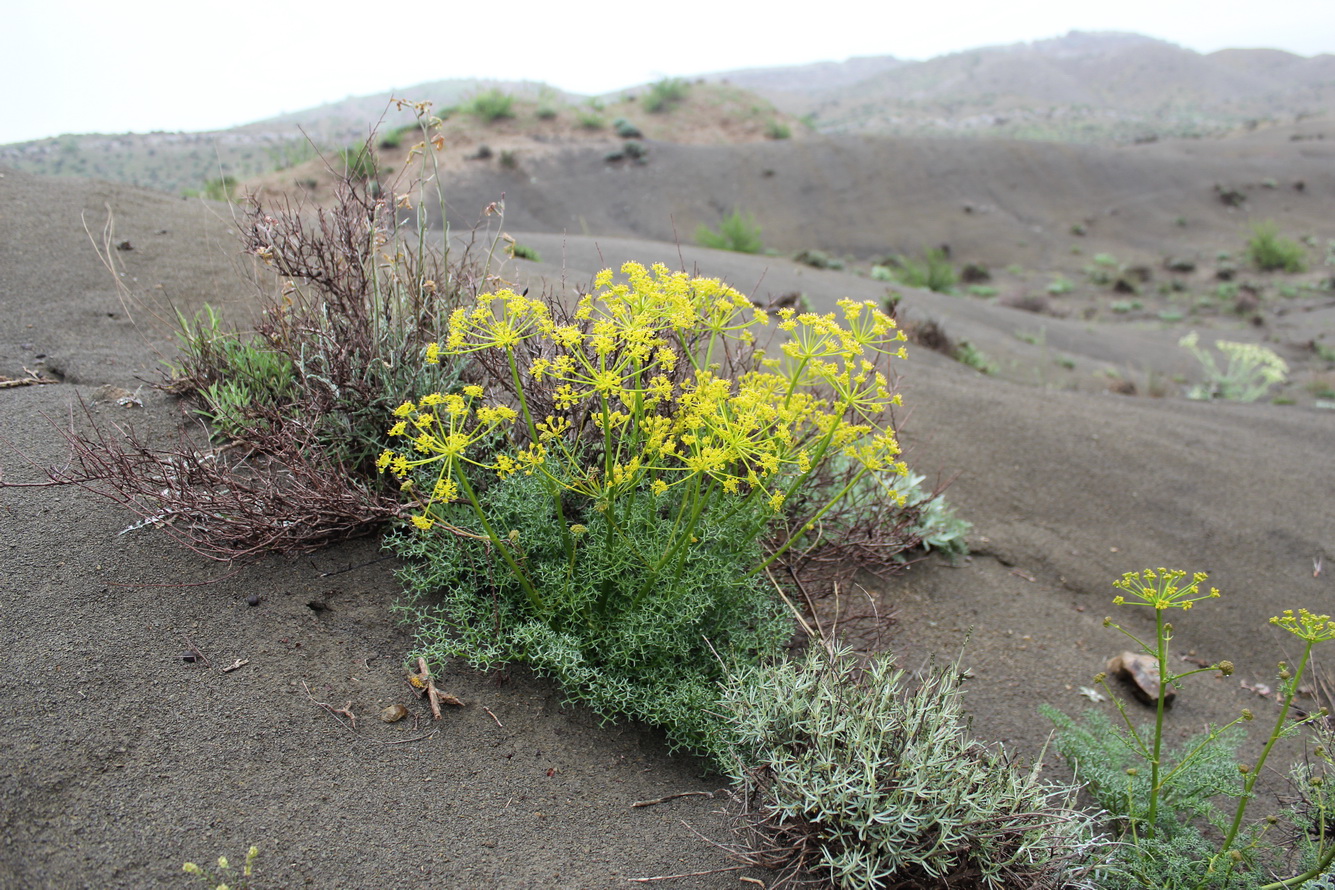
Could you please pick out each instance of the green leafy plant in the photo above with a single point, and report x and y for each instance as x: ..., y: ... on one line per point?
x: 223, y: 877
x: 736, y: 232
x: 1251, y: 370
x: 1268, y: 251
x: 221, y: 189
x: 657, y: 445
x: 1158, y: 799
x: 626, y: 130
x: 663, y: 95
x: 777, y: 129
x: 590, y: 120
x: 524, y: 252
x: 933, y: 272
x: 491, y: 105
x: 967, y: 354
x: 846, y: 773
x: 818, y: 259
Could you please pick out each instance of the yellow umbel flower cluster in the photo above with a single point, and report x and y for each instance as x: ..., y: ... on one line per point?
x: 617, y: 363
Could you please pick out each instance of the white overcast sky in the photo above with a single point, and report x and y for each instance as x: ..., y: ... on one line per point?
x: 80, y: 66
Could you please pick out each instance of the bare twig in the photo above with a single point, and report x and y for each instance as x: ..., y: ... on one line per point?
x: 692, y: 874
x: 493, y: 717
x: 239, y: 663
x: 649, y: 803
x: 337, y: 713
x: 195, y: 650
x: 413, y: 739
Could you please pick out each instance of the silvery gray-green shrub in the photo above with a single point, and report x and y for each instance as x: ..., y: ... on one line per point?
x: 846, y: 772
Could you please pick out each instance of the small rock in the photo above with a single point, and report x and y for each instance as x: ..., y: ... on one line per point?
x: 394, y: 713
x: 1141, y: 673
x: 253, y: 599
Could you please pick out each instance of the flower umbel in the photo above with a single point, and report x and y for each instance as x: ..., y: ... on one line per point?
x: 1306, y: 626
x: 1162, y: 589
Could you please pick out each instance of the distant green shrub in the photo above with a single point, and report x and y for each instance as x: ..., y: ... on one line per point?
x: 968, y: 354
x: 777, y: 129
x: 735, y: 232
x: 546, y: 113
x: 1268, y: 251
x: 221, y: 189
x: 491, y: 105
x: 590, y: 120
x: 818, y: 259
x: 524, y: 252
x: 626, y: 130
x: 664, y: 94
x: 933, y: 272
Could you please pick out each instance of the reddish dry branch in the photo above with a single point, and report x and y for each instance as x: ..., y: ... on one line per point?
x: 224, y: 505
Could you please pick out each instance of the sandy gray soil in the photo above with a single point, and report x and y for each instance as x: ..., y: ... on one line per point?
x: 119, y: 761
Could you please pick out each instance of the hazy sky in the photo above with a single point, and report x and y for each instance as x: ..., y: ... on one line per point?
x: 79, y: 66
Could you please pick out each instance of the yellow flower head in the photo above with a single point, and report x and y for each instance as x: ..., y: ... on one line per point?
x: 1162, y: 589
x: 1306, y: 626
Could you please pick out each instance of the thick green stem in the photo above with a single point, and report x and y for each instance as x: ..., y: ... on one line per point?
x: 1255, y: 772
x: 1161, y: 654
x: 794, y: 538
x: 1315, y: 871
x: 519, y: 574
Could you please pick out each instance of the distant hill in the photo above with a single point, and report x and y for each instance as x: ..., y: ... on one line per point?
x: 1083, y: 86
x: 1103, y: 87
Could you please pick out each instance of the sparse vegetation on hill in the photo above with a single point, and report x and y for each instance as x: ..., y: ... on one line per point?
x: 1268, y: 251
x: 735, y: 232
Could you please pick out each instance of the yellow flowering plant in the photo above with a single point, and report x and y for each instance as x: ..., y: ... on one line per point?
x: 635, y: 462
x: 613, y: 370
x: 1166, y: 847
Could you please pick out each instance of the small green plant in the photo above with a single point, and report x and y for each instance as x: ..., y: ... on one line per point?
x: 817, y: 259
x: 968, y: 354
x: 508, y: 159
x: 626, y: 130
x: 491, y: 105
x: 848, y: 772
x: 982, y: 290
x: 1251, y: 370
x: 590, y: 120
x: 221, y: 189
x: 777, y: 129
x: 1268, y: 251
x: 247, y: 378
x: 933, y: 272
x: 223, y: 878
x: 1059, y: 286
x: 622, y: 489
x: 736, y: 232
x: 663, y: 95
x: 524, y: 252
x: 1158, y: 810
